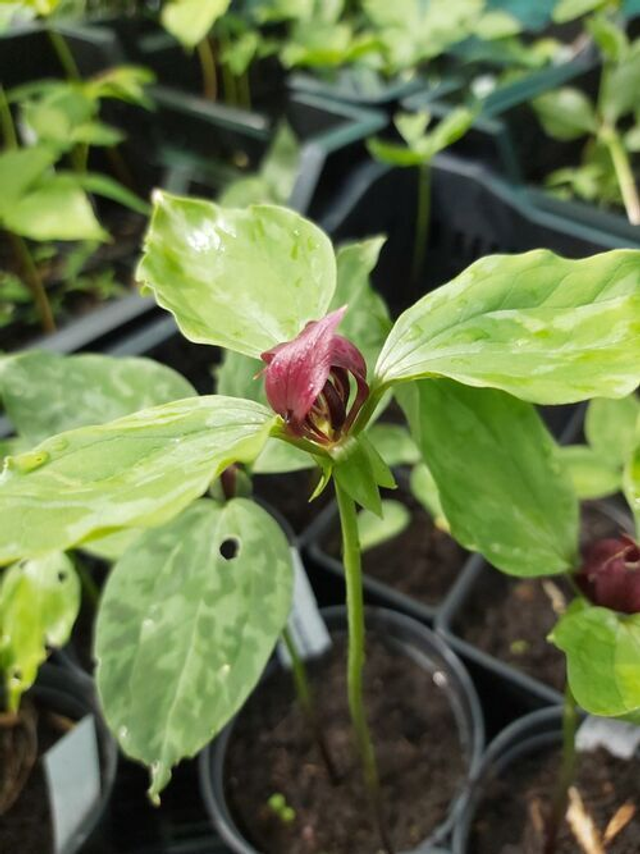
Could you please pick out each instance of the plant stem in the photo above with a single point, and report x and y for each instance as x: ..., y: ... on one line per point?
x: 80, y: 156
x: 208, y: 68
x: 567, y: 771
x: 356, y: 658
x: 65, y: 57
x: 33, y: 280
x: 624, y: 174
x: 422, y: 221
x: 305, y: 698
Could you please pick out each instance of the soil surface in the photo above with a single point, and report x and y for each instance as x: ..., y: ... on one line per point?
x: 508, y: 819
x: 422, y: 562
x: 26, y: 827
x: 272, y: 752
x: 510, y: 618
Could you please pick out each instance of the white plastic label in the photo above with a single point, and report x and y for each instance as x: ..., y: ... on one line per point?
x: 306, y: 627
x: 620, y: 738
x: 72, y: 768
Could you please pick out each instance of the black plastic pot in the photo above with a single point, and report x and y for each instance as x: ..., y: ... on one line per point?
x: 193, y: 145
x: 532, y: 734
x: 72, y: 695
x: 474, y: 213
x: 424, y: 648
x: 26, y: 52
x: 526, y: 690
x: 367, y: 90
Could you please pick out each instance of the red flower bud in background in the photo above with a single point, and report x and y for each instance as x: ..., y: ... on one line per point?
x: 610, y: 574
x: 307, y: 381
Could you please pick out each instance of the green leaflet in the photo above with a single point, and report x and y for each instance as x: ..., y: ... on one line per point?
x: 243, y: 279
x: 501, y: 486
x: 611, y: 428
x: 45, y: 393
x: 592, y: 475
x: 183, y: 634
x: 544, y: 328
x: 374, y: 530
x: 39, y: 602
x: 138, y: 471
x: 360, y: 470
x: 394, y: 444
x: 566, y: 113
x: 189, y: 21
x: 603, y: 658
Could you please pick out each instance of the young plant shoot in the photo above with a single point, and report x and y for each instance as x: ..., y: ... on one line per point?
x: 509, y: 332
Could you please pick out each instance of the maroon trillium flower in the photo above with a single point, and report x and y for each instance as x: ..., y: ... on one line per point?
x: 610, y: 574
x: 307, y: 381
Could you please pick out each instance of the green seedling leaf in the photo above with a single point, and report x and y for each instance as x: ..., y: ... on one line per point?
x: 394, y: 444
x: 422, y: 146
x: 189, y: 21
x: 20, y: 170
x: 425, y: 489
x: 611, y: 428
x: 568, y: 10
x: 45, y: 393
x: 566, y: 113
x: 103, y: 185
x: 619, y: 94
x: 281, y: 266
x: 188, y: 620
x: 502, y: 488
x: 138, y: 471
x: 544, y: 328
x: 592, y: 475
x: 39, y: 603
x: 603, y: 658
x: 610, y: 38
x: 374, y: 530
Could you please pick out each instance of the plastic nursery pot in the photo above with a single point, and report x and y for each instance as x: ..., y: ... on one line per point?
x: 473, y: 213
x: 480, y: 584
x: 361, y: 86
x: 200, y: 145
x: 423, y: 648
x: 71, y: 695
x: 432, y: 549
x: 27, y: 54
x: 525, y: 737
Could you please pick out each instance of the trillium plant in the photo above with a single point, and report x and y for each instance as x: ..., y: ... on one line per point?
x: 192, y: 611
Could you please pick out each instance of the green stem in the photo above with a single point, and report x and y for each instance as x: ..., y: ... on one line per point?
x: 80, y: 157
x: 624, y: 174
x: 33, y: 280
x: 356, y: 657
x: 422, y: 221
x: 305, y: 698
x: 65, y: 57
x: 567, y: 773
x: 6, y: 122
x: 208, y: 68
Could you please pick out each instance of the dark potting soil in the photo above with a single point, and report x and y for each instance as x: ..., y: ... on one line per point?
x: 26, y: 827
x: 510, y: 618
x: 509, y: 815
x: 422, y: 562
x: 272, y: 752
x: 289, y: 494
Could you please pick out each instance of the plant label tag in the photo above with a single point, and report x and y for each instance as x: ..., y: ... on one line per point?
x: 307, y: 628
x: 72, y: 769
x: 620, y: 738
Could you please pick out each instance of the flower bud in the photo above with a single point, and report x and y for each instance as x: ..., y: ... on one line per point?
x: 610, y: 574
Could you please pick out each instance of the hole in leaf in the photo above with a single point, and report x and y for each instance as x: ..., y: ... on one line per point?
x: 62, y: 576
x: 230, y: 548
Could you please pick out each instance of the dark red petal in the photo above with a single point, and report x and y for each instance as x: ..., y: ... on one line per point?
x: 610, y: 574
x: 346, y: 355
x: 297, y: 370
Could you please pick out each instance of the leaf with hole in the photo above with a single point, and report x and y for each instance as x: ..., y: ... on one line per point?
x: 187, y: 622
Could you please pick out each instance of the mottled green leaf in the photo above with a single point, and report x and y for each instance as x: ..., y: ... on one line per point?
x: 39, y: 602
x: 184, y: 633
x: 189, y: 21
x: 502, y: 488
x: 603, y: 658
x: 566, y: 113
x: 45, y: 393
x: 374, y: 530
x: 544, y: 328
x: 592, y: 475
x: 138, y: 471
x: 244, y: 279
